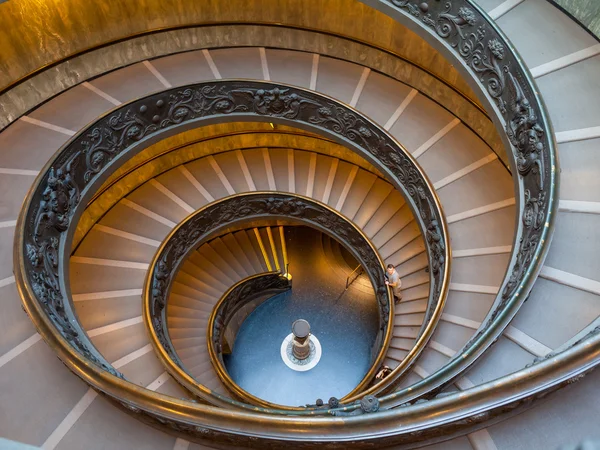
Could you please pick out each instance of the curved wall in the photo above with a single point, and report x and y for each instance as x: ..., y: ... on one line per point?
x: 69, y: 27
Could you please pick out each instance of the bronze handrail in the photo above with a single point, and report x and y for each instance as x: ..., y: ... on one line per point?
x: 83, y: 163
x: 471, y: 39
x: 59, y: 194
x: 246, y: 288
x: 204, y: 223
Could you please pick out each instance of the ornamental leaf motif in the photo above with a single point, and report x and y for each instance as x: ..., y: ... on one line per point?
x: 198, y: 227
x: 85, y: 159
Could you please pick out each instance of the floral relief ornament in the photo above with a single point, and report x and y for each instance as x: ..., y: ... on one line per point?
x: 85, y: 159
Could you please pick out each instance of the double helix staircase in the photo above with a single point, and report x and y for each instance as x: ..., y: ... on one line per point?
x: 43, y: 404
x: 111, y: 254
x: 202, y: 281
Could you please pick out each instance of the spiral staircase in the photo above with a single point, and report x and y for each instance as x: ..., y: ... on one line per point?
x: 500, y: 317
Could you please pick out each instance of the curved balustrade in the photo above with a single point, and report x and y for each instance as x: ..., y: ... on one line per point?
x: 242, y: 294
x: 59, y: 195
x: 467, y: 36
x: 232, y: 211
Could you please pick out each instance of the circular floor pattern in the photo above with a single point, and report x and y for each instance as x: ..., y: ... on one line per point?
x: 301, y: 365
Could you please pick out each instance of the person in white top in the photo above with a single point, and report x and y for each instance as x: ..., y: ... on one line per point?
x: 393, y: 281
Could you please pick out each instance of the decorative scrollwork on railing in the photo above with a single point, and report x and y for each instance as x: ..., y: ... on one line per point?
x: 489, y: 57
x: 59, y: 195
x: 240, y: 295
x: 469, y: 36
x: 49, y: 220
x: 234, y: 210
x: 256, y: 287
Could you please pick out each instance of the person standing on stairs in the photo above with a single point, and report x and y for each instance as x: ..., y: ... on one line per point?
x: 393, y: 281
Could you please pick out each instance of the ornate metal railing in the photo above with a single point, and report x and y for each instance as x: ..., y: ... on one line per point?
x: 234, y: 211
x: 253, y: 291
x: 466, y: 34
x: 60, y: 193
x: 468, y: 37
x: 238, y: 296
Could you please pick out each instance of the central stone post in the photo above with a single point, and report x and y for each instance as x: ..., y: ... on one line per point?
x: 301, y: 342
x: 301, y: 350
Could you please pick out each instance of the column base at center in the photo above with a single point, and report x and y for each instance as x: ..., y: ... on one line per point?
x: 300, y: 365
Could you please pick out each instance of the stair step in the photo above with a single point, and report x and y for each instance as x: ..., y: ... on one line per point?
x: 396, y: 354
x: 257, y: 169
x: 409, y: 233
x: 302, y: 169
x: 322, y: 170
x: 191, y: 293
x: 183, y: 343
x: 402, y: 343
x: 150, y: 198
x: 279, y: 165
x: 232, y: 171
x: 180, y: 322
x: 180, y: 296
x: 359, y: 191
x: 406, y: 332
x: 176, y: 180
x: 417, y: 306
x: 124, y: 218
x: 234, y: 247
x: 406, y: 253
x: 187, y: 313
x: 232, y: 260
x: 415, y: 293
x: 198, y: 268
x: 392, y: 216
x: 182, y: 333
x: 188, y: 352
x: 206, y: 175
x: 220, y: 267
x: 200, y: 284
x: 411, y: 320
x: 205, y: 374
x: 216, y: 385
x: 418, y: 262
x: 201, y: 364
x: 245, y: 243
x: 416, y: 279
x: 342, y: 173
x: 375, y: 199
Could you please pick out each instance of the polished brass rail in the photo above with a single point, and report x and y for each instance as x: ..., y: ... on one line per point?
x: 234, y: 211
x: 433, y: 313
